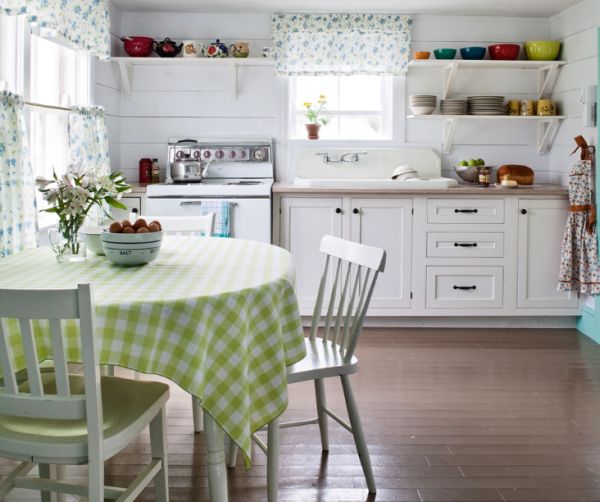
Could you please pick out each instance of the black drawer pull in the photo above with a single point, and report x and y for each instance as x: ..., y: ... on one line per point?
x: 523, y: 211
x: 465, y: 288
x: 355, y: 211
x: 465, y: 210
x: 338, y: 210
x: 465, y: 244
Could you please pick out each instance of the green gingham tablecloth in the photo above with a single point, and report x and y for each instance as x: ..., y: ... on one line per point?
x: 219, y: 317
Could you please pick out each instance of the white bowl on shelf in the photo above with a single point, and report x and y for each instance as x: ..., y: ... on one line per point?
x: 422, y: 110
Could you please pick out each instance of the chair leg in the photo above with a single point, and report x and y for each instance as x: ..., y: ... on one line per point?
x: 232, y: 452
x: 59, y: 475
x: 273, y: 460
x: 357, y: 431
x: 158, y: 447
x: 217, y: 473
x: 197, y: 414
x: 321, y: 405
x: 95, y: 478
x: 45, y: 474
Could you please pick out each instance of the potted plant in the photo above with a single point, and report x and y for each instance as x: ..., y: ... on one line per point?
x: 71, y: 198
x: 312, y: 114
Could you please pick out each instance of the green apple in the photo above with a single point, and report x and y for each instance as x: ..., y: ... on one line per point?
x: 463, y: 163
x: 472, y: 162
x: 480, y: 162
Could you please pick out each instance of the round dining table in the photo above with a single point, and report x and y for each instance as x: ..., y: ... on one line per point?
x: 219, y: 317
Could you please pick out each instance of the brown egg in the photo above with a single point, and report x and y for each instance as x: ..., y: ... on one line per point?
x: 126, y: 223
x: 140, y: 223
x: 157, y: 223
x: 153, y: 227
x: 128, y: 230
x: 142, y: 230
x: 115, y: 227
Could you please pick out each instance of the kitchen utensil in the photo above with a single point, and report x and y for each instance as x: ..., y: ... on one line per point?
x: 131, y: 249
x: 92, y: 237
x: 444, y: 53
x: 528, y: 107
x: 192, y: 49
x: 504, y: 51
x: 167, y: 48
x: 472, y: 52
x: 422, y: 110
x: 189, y: 169
x: 139, y: 47
x: 453, y: 106
x: 523, y: 175
x: 421, y: 54
x: 239, y: 50
x: 402, y: 173
x: 513, y: 107
x: 486, y: 105
x: 217, y: 50
x: 542, y: 50
x: 546, y: 107
x: 470, y: 174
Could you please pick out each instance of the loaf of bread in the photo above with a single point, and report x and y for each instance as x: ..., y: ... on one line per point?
x: 523, y: 175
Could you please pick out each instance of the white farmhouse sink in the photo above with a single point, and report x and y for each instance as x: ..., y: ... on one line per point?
x: 374, y: 183
x: 371, y: 168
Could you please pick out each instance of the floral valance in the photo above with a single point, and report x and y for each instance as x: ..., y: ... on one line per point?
x: 85, y: 24
x: 341, y: 44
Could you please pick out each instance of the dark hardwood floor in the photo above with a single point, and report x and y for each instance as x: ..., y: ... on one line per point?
x: 450, y: 415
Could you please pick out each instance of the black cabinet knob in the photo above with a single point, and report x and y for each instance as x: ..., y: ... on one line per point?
x: 355, y: 211
x: 338, y: 210
x: 474, y: 211
x: 523, y: 211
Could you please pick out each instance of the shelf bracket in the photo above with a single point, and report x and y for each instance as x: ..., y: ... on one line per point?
x: 234, y: 81
x: 125, y: 71
x: 449, y: 128
x: 546, y: 79
x: 449, y: 76
x: 547, y: 130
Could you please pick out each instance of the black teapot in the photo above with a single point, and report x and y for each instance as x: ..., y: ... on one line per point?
x: 167, y: 48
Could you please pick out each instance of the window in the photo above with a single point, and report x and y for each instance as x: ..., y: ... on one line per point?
x: 358, y: 106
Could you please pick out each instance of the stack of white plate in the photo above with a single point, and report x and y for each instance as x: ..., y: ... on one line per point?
x: 453, y: 106
x: 422, y: 104
x: 486, y: 105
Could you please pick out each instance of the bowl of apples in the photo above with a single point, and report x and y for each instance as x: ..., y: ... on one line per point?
x: 130, y: 244
x: 468, y: 170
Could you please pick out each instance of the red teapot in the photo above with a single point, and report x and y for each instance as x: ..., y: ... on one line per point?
x: 167, y: 48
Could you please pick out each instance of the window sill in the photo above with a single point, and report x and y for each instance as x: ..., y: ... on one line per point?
x: 341, y: 142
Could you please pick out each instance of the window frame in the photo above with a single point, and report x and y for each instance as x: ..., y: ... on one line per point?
x: 389, y: 114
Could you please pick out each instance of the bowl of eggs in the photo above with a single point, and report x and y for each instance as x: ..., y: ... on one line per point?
x: 129, y: 244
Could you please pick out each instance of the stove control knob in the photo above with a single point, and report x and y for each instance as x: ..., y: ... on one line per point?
x: 232, y: 154
x: 206, y: 154
x: 243, y: 154
x: 196, y: 154
x: 259, y: 154
x: 179, y: 155
x: 219, y: 154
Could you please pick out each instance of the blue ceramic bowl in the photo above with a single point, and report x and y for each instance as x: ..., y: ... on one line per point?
x: 472, y: 52
x: 444, y: 53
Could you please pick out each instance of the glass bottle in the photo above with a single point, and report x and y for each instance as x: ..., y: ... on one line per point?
x: 484, y: 176
x: 155, y: 171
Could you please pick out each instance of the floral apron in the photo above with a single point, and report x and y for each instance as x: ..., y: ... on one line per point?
x: 580, y: 268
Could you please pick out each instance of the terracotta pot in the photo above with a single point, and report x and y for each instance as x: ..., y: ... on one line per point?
x: 313, y: 130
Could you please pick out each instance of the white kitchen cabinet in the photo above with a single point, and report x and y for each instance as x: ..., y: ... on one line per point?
x: 386, y: 223
x: 132, y: 201
x: 303, y: 222
x: 541, y: 226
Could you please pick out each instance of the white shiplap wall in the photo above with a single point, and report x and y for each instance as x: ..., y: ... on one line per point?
x: 190, y: 101
x: 577, y: 29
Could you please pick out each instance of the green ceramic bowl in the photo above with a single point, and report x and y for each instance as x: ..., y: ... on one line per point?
x: 542, y: 50
x: 444, y: 53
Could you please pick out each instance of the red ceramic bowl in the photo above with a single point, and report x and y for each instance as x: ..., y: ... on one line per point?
x: 504, y: 51
x: 138, y: 47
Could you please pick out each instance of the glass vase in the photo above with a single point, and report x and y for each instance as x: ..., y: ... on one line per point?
x: 68, y: 245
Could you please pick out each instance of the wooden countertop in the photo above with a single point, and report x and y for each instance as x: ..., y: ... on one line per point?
x: 522, y: 191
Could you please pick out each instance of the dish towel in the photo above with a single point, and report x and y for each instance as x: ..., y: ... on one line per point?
x: 579, y: 267
x: 221, y: 210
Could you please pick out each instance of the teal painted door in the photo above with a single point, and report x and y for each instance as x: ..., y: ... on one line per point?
x: 589, y: 322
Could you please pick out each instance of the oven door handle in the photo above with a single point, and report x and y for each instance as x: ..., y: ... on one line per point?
x: 198, y: 203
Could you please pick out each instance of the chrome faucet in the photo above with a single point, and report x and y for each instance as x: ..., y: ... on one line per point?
x: 345, y: 157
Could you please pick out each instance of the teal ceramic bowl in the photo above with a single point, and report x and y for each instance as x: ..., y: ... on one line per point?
x: 472, y: 53
x: 129, y: 250
x: 542, y: 50
x: 444, y: 53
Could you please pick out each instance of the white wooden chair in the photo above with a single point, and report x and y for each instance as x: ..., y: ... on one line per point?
x: 55, y: 418
x: 188, y: 225
x: 352, y: 270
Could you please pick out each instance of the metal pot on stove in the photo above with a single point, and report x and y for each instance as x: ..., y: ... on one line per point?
x: 186, y: 164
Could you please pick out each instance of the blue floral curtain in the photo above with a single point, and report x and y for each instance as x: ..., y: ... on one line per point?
x: 83, y: 23
x: 18, y: 213
x: 341, y: 44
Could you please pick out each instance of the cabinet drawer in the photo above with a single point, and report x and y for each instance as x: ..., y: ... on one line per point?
x: 465, y: 288
x: 465, y: 244
x: 465, y: 211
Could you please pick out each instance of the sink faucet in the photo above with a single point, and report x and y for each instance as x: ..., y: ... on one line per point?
x: 345, y: 157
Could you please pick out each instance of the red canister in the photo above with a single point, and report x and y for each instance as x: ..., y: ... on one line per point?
x: 145, y: 170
